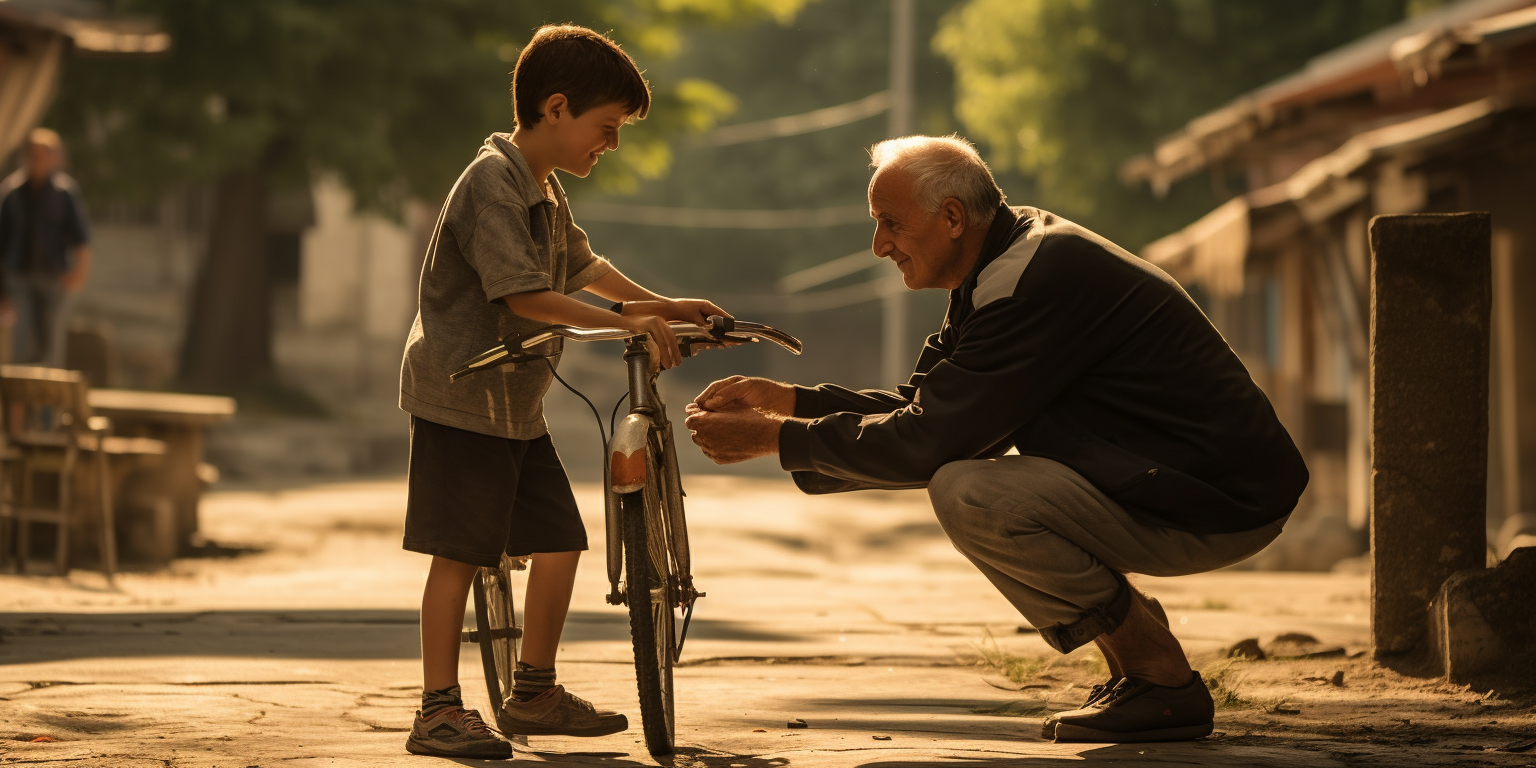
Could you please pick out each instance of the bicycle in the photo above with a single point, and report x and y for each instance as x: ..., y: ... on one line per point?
x: 648, y: 560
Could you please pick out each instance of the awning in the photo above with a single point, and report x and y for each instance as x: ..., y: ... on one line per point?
x: 1213, y: 251
x: 33, y: 37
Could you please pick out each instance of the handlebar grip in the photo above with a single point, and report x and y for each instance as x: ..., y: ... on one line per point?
x: 720, y: 325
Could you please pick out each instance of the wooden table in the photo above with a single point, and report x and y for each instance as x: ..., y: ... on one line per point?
x: 179, y: 420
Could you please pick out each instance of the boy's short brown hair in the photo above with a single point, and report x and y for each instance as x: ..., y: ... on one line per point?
x: 588, y: 68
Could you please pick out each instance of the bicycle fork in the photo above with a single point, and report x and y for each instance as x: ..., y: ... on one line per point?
x: 626, y: 468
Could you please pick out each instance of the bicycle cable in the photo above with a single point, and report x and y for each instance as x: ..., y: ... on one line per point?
x: 601, y: 434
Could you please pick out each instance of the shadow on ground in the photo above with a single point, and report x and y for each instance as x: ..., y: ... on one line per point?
x: 319, y: 634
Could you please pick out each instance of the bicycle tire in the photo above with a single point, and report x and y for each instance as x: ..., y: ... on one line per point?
x: 497, y: 630
x: 649, y: 597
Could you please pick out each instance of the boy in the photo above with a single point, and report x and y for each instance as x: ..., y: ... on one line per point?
x: 484, y: 477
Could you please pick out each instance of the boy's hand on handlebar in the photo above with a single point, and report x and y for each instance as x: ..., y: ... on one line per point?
x: 754, y: 392
x: 661, y: 343
x: 696, y: 311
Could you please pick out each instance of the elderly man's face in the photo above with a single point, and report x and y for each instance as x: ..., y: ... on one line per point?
x: 42, y: 161
x: 924, y: 246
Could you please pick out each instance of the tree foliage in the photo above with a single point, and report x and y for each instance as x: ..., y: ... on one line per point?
x: 1066, y: 90
x: 392, y: 97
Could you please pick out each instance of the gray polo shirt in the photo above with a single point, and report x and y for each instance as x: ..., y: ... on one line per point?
x: 501, y: 232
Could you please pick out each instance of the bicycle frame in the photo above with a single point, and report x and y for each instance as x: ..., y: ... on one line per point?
x: 643, y: 495
x: 644, y: 429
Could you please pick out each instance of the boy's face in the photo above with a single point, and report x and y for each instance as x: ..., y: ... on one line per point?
x: 581, y: 140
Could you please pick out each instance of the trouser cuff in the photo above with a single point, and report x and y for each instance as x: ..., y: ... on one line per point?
x: 1094, y: 622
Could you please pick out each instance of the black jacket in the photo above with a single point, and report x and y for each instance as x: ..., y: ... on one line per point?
x: 1065, y: 346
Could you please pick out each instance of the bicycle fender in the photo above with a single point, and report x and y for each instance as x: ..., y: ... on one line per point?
x: 626, y: 460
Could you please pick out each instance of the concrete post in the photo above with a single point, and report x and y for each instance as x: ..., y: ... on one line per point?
x: 1430, y: 297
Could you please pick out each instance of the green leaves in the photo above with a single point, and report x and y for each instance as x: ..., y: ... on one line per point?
x: 394, y: 98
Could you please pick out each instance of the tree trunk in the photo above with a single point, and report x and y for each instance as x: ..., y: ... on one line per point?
x: 228, y: 345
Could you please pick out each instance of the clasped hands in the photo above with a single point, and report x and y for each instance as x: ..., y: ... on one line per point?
x: 738, y: 418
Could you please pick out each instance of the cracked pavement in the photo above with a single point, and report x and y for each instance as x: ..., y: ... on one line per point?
x: 851, y: 612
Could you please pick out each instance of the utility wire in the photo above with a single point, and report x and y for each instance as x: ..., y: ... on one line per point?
x: 808, y: 122
x: 724, y: 218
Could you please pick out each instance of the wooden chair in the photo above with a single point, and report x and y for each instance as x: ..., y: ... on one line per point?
x: 51, y: 431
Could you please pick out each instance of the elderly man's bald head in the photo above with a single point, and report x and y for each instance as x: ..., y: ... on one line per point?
x: 943, y: 167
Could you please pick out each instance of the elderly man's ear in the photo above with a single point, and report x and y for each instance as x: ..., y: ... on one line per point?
x: 954, y: 217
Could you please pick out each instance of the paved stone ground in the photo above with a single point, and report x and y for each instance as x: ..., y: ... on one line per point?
x: 851, y: 612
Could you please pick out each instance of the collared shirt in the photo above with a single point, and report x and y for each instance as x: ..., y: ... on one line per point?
x: 40, y: 225
x: 501, y: 232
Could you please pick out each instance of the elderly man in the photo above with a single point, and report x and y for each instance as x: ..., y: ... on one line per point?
x: 43, y: 247
x: 1143, y: 444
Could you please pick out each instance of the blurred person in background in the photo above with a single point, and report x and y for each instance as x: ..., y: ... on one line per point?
x: 44, y: 249
x: 1143, y: 445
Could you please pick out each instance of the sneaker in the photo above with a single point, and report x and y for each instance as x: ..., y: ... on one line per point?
x: 1048, y: 727
x: 558, y: 712
x: 1136, y: 710
x: 455, y: 732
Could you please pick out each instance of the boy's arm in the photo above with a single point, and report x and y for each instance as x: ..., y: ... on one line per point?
x: 638, y: 300
x: 559, y: 309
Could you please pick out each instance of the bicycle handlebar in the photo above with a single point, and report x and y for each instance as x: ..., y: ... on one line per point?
x: 514, y: 348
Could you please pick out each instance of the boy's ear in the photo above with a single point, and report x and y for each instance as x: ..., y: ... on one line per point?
x: 556, y: 107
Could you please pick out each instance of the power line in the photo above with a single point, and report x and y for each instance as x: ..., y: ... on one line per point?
x: 808, y: 122
x: 828, y: 271
x: 724, y: 218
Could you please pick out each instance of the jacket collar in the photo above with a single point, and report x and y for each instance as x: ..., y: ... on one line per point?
x: 1001, y: 234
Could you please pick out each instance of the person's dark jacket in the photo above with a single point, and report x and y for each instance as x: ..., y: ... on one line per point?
x: 1065, y: 346
x: 40, y: 227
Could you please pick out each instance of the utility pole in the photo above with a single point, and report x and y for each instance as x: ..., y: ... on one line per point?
x: 895, y: 357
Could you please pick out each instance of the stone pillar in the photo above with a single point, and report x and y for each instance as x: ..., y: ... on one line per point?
x: 1430, y: 296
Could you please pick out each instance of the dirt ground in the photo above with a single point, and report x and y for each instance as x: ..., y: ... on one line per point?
x: 853, y: 613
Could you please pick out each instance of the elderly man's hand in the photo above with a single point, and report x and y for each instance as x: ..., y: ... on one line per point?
x: 748, y: 392
x: 734, y: 435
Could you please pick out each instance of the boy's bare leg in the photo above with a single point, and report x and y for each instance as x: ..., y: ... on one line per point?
x: 545, y: 605
x: 442, y: 618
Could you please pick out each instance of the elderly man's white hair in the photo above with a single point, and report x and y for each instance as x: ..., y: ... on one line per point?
x: 943, y: 167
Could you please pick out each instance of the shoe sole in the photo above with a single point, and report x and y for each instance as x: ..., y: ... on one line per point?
x: 514, y: 729
x: 1069, y: 732
x: 417, y: 748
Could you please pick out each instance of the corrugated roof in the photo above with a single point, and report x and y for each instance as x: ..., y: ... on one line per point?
x: 1345, y: 70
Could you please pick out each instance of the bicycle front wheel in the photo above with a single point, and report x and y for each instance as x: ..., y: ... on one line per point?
x: 651, y: 600
x: 497, y: 629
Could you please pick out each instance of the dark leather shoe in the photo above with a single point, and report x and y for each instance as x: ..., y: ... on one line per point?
x: 1048, y: 726
x: 1136, y: 710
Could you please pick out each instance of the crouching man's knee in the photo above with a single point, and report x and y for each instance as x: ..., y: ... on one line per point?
x: 955, y: 504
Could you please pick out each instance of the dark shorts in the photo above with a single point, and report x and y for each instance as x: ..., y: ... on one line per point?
x: 473, y: 496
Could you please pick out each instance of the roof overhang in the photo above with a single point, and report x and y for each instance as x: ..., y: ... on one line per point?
x: 1389, y: 63
x: 1213, y: 251
x: 88, y: 28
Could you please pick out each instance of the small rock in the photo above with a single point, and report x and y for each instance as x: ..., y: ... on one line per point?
x: 882, y: 738
x: 1282, y: 709
x: 1246, y: 649
x: 41, y: 739
x: 1297, y: 645
x: 1521, y: 745
x: 1338, y: 679
x: 797, y: 723
x: 759, y: 730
